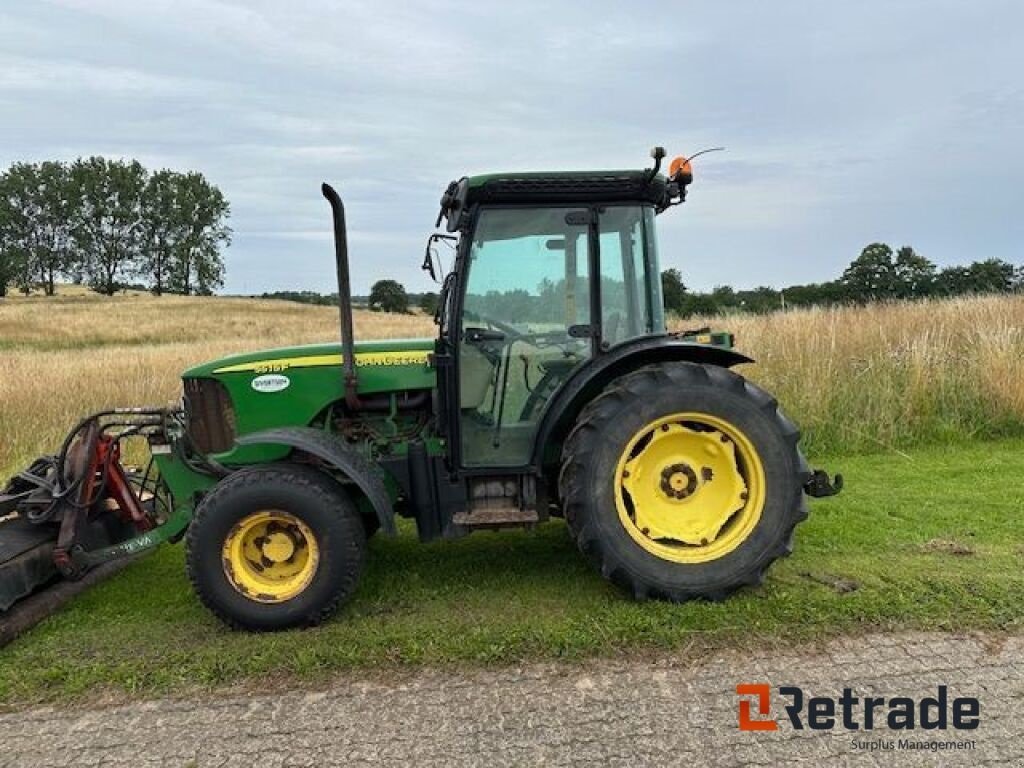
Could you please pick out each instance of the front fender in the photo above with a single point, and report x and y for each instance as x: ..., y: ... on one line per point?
x: 339, y: 455
x: 589, y: 379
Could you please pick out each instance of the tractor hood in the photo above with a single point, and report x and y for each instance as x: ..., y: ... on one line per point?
x: 290, y: 386
x: 369, y: 354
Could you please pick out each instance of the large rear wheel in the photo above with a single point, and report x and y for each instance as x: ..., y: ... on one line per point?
x: 682, y: 481
x: 275, y: 547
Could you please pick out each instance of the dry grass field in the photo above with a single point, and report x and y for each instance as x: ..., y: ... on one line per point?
x: 66, y: 356
x: 878, y: 378
x: 889, y: 376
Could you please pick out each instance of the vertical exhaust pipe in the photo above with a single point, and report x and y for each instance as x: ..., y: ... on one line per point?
x: 348, y: 355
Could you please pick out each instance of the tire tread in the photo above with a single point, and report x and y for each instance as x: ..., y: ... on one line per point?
x: 578, y: 449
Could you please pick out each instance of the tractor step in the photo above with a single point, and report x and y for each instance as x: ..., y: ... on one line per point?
x: 500, y: 501
x: 508, y: 514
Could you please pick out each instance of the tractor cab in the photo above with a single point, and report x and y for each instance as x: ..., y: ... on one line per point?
x: 552, y: 270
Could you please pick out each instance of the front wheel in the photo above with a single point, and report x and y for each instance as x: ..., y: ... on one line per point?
x: 683, y: 481
x: 274, y: 547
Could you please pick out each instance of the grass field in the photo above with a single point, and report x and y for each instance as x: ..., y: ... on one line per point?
x: 64, y: 357
x: 933, y: 541
x: 921, y: 405
x: 857, y: 380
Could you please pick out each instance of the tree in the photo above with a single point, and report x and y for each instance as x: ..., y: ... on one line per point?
x: 952, y: 281
x: 108, y: 223
x: 389, y: 296
x: 811, y: 294
x: 698, y: 304
x: 673, y: 290
x: 40, y: 203
x: 162, y: 227
x: 913, y: 274
x: 14, y: 238
x: 428, y: 303
x: 991, y: 276
x: 871, y: 275
x: 724, y: 296
x: 760, y: 300
x: 202, y: 212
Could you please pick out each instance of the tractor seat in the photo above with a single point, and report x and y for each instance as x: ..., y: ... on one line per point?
x: 475, y: 375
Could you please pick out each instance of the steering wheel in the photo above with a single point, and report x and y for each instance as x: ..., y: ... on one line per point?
x: 539, y: 339
x: 506, y: 328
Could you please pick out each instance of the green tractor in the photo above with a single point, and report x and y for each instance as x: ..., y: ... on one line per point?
x: 552, y: 389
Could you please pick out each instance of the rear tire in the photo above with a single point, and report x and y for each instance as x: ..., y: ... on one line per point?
x: 752, y: 497
x: 274, y: 547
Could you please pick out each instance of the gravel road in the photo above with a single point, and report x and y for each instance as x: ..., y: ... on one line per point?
x: 643, y: 711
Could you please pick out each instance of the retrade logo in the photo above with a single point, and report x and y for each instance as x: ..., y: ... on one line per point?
x: 822, y: 713
x: 763, y: 694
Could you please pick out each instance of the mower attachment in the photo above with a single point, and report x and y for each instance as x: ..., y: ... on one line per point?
x: 70, y: 512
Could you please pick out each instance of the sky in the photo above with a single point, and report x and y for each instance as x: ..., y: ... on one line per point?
x: 844, y: 123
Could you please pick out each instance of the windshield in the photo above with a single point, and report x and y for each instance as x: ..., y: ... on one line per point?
x: 524, y: 268
x: 529, y: 268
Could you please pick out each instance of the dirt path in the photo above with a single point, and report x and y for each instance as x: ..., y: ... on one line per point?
x: 608, y: 712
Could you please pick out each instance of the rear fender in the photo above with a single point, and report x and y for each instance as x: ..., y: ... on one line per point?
x: 592, y: 377
x: 337, y: 454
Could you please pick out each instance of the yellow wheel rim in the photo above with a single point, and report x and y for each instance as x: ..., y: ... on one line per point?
x: 270, y: 556
x: 689, y: 487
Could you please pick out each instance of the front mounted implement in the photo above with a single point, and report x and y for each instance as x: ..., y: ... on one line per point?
x: 71, y: 512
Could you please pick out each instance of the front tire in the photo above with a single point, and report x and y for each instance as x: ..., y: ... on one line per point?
x: 274, y: 547
x: 683, y: 481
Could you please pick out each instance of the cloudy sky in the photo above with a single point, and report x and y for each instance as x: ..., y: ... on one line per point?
x: 845, y: 123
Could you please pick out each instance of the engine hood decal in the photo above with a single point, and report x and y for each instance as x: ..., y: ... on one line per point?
x: 276, y: 365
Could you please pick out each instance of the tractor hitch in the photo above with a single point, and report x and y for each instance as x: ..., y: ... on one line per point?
x: 819, y: 486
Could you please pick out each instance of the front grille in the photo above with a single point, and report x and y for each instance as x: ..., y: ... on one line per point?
x: 210, y: 415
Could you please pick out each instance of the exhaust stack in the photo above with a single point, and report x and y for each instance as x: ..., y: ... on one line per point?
x: 348, y: 356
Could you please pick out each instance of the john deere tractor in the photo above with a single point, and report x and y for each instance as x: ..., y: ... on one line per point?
x: 552, y: 389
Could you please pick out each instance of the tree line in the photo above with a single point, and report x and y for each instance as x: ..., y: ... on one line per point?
x: 110, y: 224
x: 877, y: 274
x: 385, y: 296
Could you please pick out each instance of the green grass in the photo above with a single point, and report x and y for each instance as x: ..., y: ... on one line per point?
x: 883, y: 554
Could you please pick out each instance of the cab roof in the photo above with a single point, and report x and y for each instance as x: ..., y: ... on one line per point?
x: 567, y: 186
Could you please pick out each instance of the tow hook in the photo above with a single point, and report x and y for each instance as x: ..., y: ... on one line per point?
x: 820, y: 486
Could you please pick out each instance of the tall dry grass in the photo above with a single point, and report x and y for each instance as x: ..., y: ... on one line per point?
x: 883, y: 377
x: 74, y: 322
x: 892, y: 375
x: 66, y: 356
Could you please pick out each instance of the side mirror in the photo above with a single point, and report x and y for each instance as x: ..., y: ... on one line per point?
x: 428, y: 263
x: 555, y: 244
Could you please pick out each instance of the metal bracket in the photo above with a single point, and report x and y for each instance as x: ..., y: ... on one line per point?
x: 819, y: 485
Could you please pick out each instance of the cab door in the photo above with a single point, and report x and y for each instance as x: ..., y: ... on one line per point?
x: 525, y: 324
